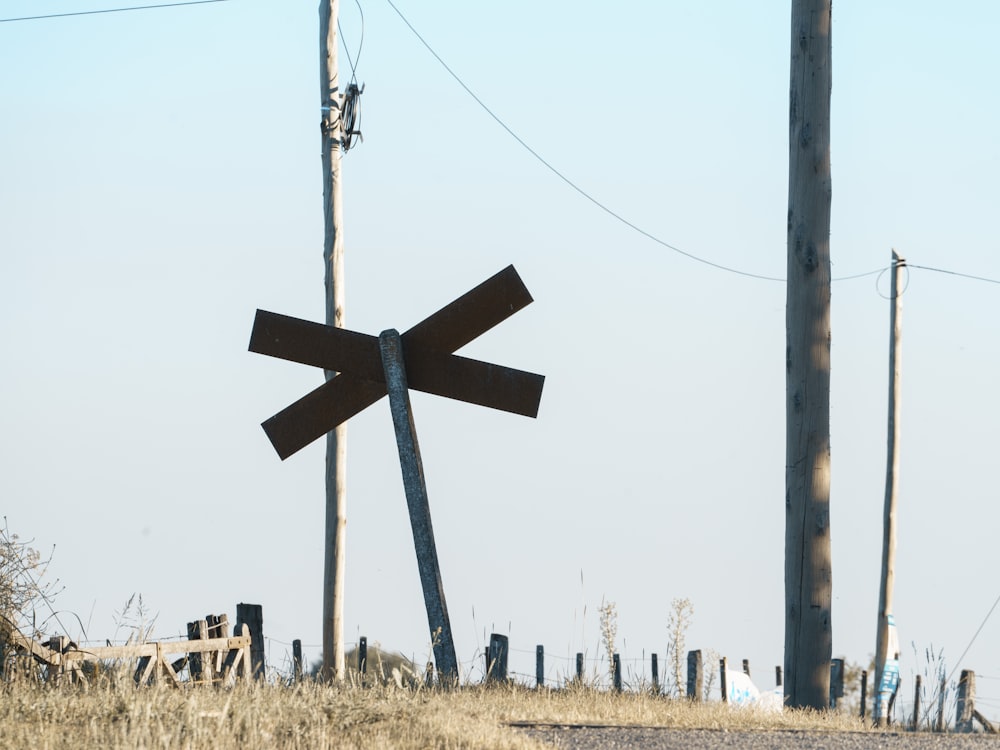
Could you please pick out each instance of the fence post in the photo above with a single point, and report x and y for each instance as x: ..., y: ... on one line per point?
x: 297, y: 660
x: 198, y: 631
x: 939, y: 724
x: 497, y: 658
x: 539, y: 666
x: 218, y: 627
x: 916, y: 703
x: 836, y: 681
x: 252, y: 615
x: 696, y: 676
x: 746, y: 667
x: 429, y: 674
x: 58, y: 644
x: 777, y: 676
x: 723, y: 687
x: 864, y: 692
x: 363, y: 655
x: 579, y: 667
x: 654, y: 666
x: 966, y: 704
x: 616, y: 673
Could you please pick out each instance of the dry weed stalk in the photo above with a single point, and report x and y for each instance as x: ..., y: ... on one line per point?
x: 682, y: 610
x: 609, y: 631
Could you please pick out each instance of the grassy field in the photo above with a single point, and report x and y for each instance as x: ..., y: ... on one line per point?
x: 310, y: 715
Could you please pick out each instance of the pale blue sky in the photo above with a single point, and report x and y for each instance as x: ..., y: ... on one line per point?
x: 161, y: 180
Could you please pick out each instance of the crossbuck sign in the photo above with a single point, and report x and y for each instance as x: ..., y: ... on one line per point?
x: 370, y: 367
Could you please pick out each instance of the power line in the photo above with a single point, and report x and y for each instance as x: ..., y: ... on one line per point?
x: 563, y: 177
x: 110, y: 10
x: 955, y: 273
x: 974, y: 637
x: 615, y: 214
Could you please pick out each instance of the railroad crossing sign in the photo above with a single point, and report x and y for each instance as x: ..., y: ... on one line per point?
x: 370, y: 367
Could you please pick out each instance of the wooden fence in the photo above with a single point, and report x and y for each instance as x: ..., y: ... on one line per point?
x: 210, y: 655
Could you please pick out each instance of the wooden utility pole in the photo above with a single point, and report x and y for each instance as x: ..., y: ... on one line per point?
x: 808, y: 568
x: 333, y: 261
x: 883, y: 641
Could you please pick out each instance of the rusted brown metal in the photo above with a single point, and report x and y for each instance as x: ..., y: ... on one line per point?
x: 427, y: 349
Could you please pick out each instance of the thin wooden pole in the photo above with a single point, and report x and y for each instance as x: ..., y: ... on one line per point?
x: 864, y: 692
x: 416, y: 500
x: 882, y: 638
x: 333, y: 262
x: 808, y: 562
x: 939, y: 724
x: 723, y: 686
x: 297, y: 659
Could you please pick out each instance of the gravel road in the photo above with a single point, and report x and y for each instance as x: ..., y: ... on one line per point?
x: 613, y: 738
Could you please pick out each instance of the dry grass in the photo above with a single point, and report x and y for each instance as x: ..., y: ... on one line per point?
x: 311, y: 715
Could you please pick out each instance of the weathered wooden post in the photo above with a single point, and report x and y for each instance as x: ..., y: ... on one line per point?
x: 616, y: 672
x: 579, y: 668
x: 696, y: 676
x: 939, y: 724
x: 916, y: 703
x: 864, y: 692
x: 55, y: 672
x: 746, y: 667
x: 966, y: 704
x: 497, y: 658
x: 429, y: 674
x: 198, y: 663
x: 415, y: 488
x: 363, y: 655
x: 777, y: 676
x: 836, y: 681
x: 539, y: 666
x: 297, y: 660
x: 218, y: 627
x: 252, y: 615
x: 723, y: 687
x: 654, y: 668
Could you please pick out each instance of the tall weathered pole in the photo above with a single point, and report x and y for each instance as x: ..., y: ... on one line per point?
x: 808, y: 567
x: 885, y: 679
x: 333, y: 261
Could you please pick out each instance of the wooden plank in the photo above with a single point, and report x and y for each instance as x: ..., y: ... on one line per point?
x: 309, y: 343
x: 319, y: 411
x: 473, y: 381
x: 472, y: 314
x: 100, y: 653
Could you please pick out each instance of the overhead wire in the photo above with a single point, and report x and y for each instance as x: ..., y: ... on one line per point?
x: 111, y: 10
x: 563, y: 177
x: 614, y: 214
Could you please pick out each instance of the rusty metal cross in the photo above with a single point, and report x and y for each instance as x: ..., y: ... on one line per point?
x: 370, y: 367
